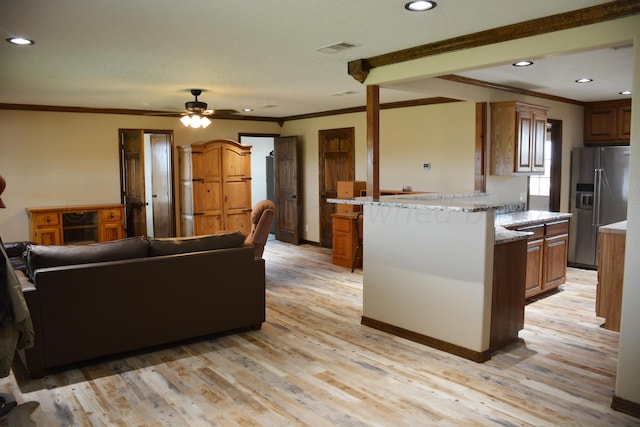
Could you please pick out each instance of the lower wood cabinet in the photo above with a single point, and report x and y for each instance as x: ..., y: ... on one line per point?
x: 345, y: 239
x: 546, y: 256
x: 507, y: 301
x: 76, y: 225
x: 611, y: 254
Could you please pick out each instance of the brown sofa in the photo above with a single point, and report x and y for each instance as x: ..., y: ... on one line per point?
x: 102, y: 299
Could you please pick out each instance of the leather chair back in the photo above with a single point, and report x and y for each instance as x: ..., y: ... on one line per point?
x: 261, y: 219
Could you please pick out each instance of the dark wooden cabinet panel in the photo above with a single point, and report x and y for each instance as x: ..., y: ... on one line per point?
x: 607, y: 122
x: 508, y: 296
x: 534, y: 267
x: 546, y: 256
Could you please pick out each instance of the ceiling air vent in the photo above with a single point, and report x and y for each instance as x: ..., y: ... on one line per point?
x: 336, y: 47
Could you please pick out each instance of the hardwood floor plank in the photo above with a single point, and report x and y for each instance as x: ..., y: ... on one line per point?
x: 314, y: 364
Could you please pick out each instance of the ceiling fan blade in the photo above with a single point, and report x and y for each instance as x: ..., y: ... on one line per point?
x: 220, y: 112
x: 164, y: 113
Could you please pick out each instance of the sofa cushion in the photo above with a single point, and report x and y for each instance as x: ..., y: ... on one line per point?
x: 41, y: 256
x: 181, y: 245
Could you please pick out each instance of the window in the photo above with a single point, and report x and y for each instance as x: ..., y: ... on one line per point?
x: 539, y: 185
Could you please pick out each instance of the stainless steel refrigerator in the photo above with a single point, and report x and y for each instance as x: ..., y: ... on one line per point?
x: 599, y: 191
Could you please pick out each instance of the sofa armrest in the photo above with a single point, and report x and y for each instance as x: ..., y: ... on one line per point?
x: 33, y: 358
x: 15, y: 249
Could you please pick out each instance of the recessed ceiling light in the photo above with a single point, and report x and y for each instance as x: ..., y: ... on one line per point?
x: 420, y: 5
x: 20, y: 41
x: 247, y: 110
x: 522, y: 63
x: 625, y: 92
x: 584, y: 80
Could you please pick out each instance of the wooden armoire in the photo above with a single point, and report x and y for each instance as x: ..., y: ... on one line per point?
x: 215, y: 187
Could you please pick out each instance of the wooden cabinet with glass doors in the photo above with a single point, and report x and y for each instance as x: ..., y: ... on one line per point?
x: 76, y: 225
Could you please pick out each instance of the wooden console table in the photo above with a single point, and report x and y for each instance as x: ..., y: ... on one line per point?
x: 611, y: 253
x: 76, y: 225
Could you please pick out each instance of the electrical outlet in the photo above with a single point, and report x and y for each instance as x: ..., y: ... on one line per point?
x: 426, y: 166
x: 306, y: 228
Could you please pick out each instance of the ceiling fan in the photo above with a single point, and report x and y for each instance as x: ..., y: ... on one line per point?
x: 197, y: 113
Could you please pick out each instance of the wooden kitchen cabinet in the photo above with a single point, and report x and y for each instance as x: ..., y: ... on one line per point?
x: 607, y: 122
x: 518, y: 133
x: 611, y: 253
x: 508, y: 293
x: 75, y: 225
x: 546, y: 256
x: 349, y: 190
x: 215, y: 184
x: 345, y: 239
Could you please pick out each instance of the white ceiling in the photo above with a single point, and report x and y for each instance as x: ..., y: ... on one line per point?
x: 147, y: 54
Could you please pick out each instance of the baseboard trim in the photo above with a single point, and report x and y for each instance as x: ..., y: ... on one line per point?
x: 625, y: 406
x: 474, y: 356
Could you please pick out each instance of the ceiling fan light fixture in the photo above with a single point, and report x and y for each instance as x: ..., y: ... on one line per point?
x: 195, y: 121
x: 204, y: 122
x: 186, y: 120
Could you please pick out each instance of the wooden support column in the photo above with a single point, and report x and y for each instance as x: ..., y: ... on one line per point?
x: 481, y: 148
x: 373, y: 141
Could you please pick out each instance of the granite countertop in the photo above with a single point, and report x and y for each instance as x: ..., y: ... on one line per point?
x: 473, y: 202
x: 508, y: 213
x: 502, y: 235
x: 615, y: 228
x: 518, y: 219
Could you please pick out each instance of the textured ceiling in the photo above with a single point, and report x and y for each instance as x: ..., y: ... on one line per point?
x: 147, y: 54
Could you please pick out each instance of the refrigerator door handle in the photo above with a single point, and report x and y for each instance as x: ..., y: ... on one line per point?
x: 597, y: 180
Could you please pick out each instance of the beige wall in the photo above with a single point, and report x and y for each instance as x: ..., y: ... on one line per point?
x: 53, y: 159
x: 441, y: 134
x: 70, y: 158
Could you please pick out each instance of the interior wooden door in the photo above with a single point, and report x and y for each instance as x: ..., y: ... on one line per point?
x: 337, y: 163
x: 162, y: 186
x: 287, y: 194
x: 132, y: 180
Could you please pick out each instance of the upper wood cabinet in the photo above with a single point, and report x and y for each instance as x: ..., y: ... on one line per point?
x: 607, y: 122
x: 518, y: 133
x: 215, y: 184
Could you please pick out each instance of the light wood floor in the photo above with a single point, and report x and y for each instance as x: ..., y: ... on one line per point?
x: 314, y: 364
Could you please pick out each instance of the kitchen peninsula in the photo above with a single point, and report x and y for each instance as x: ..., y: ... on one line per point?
x: 428, y: 269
